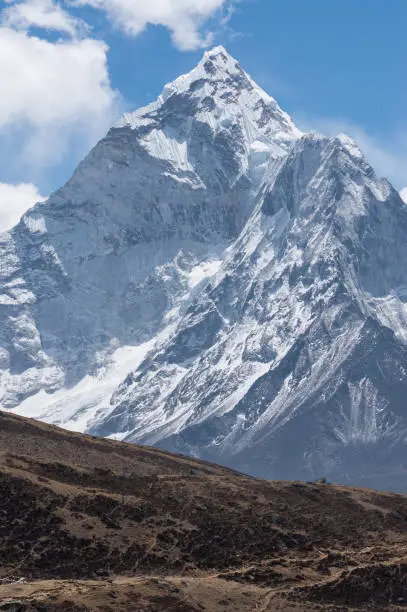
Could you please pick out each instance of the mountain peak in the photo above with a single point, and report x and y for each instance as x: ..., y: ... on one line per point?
x: 218, y: 50
x: 219, y: 93
x: 215, y: 65
x: 221, y: 59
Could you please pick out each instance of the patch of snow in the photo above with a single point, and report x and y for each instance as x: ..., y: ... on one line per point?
x: 203, y: 271
x: 350, y: 145
x: 77, y: 408
x: 164, y: 144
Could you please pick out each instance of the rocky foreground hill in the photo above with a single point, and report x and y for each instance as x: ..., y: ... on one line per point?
x: 93, y: 524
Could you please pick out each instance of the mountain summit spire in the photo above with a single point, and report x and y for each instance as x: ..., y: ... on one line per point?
x: 219, y: 93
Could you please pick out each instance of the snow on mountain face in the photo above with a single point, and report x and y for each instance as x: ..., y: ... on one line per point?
x: 107, y: 259
x: 292, y: 360
x: 213, y: 282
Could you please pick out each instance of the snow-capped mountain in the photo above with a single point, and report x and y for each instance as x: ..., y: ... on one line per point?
x: 214, y: 282
x: 100, y: 264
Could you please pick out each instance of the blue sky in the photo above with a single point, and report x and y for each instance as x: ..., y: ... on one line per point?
x: 68, y: 69
x: 322, y: 57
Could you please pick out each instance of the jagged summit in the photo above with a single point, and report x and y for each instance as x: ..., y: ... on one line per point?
x: 218, y: 91
x: 216, y: 65
x: 219, y: 54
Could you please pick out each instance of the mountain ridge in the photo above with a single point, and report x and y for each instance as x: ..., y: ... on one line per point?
x: 332, y: 282
x: 213, y: 281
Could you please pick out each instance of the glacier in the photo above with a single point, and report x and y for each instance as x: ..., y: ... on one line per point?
x: 214, y: 282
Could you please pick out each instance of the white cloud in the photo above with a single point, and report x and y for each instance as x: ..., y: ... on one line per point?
x: 53, y: 94
x: 183, y: 18
x: 14, y: 201
x: 389, y: 159
x: 43, y: 82
x: 403, y: 194
x: 44, y: 14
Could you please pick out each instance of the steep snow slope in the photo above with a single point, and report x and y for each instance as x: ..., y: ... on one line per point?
x: 109, y: 258
x: 214, y: 282
x: 292, y: 361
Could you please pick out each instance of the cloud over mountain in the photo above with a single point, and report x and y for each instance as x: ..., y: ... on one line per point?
x: 14, y: 201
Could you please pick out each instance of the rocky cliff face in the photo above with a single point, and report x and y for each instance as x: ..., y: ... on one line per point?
x: 214, y: 282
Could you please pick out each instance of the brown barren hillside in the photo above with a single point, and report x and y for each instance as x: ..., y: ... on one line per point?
x: 92, y: 524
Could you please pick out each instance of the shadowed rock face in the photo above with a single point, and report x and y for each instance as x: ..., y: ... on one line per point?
x: 87, y: 523
x: 212, y: 281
